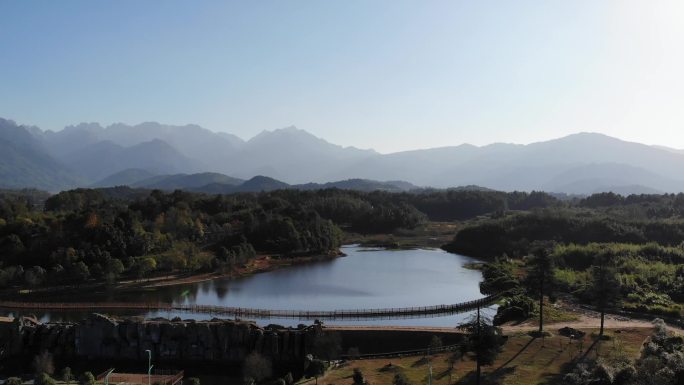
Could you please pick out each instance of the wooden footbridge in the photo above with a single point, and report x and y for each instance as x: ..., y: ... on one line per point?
x: 383, y: 313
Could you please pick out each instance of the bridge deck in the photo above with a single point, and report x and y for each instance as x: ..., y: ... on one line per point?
x: 386, y: 313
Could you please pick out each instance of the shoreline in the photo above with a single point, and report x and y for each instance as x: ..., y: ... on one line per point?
x: 261, y: 264
x: 431, y: 236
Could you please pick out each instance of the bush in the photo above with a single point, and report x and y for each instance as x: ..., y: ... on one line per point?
x: 400, y: 379
x: 13, y: 381
x: 358, y: 377
x: 87, y: 379
x: 625, y: 376
x: 519, y: 307
x: 66, y: 375
x: 316, y: 368
x: 45, y: 379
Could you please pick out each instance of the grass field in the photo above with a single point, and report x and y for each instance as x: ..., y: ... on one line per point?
x: 431, y: 234
x: 523, y: 361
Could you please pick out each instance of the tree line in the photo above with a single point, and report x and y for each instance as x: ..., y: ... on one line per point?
x: 84, y: 234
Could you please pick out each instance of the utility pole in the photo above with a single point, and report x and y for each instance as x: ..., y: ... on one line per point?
x: 149, y: 366
x: 479, y: 350
x: 429, y: 367
x: 106, y: 377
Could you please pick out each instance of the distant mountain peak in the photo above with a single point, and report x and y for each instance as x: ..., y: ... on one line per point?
x: 289, y: 131
x: 586, y: 136
x: 84, y: 126
x: 262, y: 178
x: 292, y: 135
x: 291, y: 128
x: 583, y: 161
x: 7, y: 122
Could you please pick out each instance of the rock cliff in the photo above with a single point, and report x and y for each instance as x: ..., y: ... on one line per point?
x: 101, y: 337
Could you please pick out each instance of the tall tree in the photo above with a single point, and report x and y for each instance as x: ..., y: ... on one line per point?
x: 605, y: 286
x: 358, y: 377
x: 540, y: 280
x: 483, y: 339
x: 316, y: 368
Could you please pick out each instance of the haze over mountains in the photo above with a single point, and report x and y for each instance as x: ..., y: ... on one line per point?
x: 154, y: 155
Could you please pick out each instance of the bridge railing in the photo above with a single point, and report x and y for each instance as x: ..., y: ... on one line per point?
x: 261, y: 313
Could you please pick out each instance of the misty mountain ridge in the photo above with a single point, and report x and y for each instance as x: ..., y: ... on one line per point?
x: 105, y: 158
x: 88, y: 153
x: 215, y: 183
x: 24, y: 162
x: 294, y: 155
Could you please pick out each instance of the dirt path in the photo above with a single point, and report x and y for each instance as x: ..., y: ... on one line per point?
x: 583, y: 322
x: 430, y: 329
x: 586, y: 320
x: 172, y: 280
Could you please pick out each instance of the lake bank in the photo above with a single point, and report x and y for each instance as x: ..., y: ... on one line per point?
x: 365, y: 279
x: 262, y: 263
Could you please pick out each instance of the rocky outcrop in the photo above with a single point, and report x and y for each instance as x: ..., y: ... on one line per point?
x: 101, y: 337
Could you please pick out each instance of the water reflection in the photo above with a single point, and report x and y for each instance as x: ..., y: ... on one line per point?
x: 363, y: 279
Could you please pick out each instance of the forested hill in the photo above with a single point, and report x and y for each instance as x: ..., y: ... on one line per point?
x: 216, y: 183
x: 605, y: 217
x: 83, y: 234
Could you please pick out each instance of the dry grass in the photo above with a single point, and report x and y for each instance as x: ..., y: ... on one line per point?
x: 523, y: 361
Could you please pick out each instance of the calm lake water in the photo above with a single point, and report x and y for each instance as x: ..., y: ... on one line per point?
x: 365, y: 278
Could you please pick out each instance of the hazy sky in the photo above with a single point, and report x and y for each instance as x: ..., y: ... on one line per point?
x: 391, y: 75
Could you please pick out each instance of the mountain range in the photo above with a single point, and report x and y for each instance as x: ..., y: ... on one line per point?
x: 153, y: 155
x: 215, y: 183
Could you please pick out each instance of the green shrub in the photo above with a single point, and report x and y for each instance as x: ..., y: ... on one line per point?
x: 45, y: 379
x: 358, y: 377
x: 13, y: 381
x: 519, y: 307
x: 87, y: 379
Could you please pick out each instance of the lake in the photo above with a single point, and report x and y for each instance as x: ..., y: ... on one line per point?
x: 365, y: 278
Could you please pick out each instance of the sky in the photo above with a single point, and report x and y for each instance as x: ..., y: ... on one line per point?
x: 390, y: 75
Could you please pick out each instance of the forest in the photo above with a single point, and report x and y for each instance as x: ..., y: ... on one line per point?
x: 108, y: 234
x: 627, y: 251
x: 89, y: 234
x: 104, y: 234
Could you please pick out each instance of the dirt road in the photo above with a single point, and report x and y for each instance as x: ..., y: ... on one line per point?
x: 583, y: 322
x: 586, y: 320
